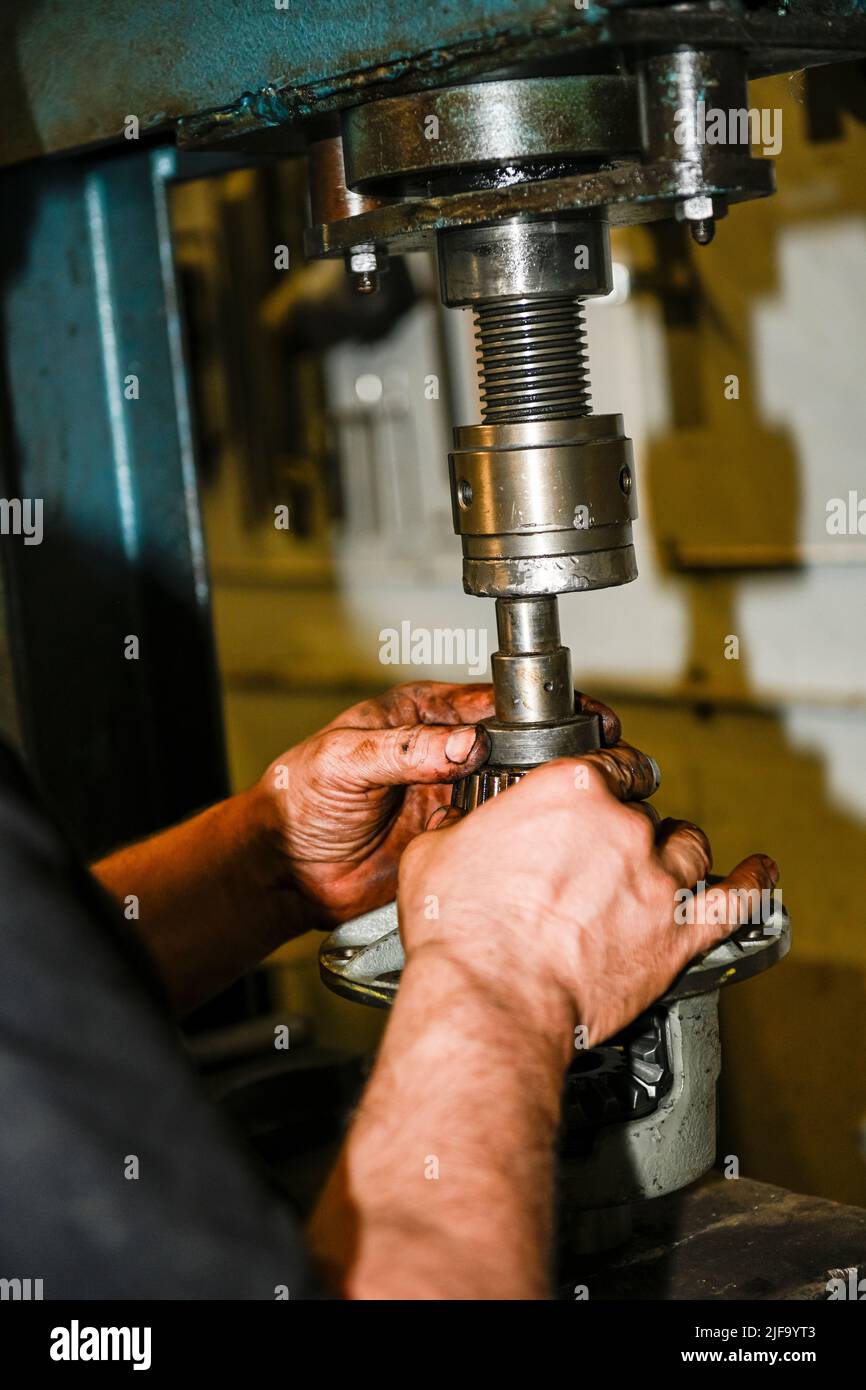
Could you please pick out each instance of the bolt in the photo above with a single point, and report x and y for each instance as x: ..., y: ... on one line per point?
x: 703, y: 231
x: 701, y: 214
x: 362, y: 263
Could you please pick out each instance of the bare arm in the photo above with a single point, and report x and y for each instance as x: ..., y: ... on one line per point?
x: 445, y: 1188
x: 209, y: 903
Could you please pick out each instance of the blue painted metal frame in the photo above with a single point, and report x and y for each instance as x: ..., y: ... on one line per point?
x: 89, y: 300
x: 71, y: 71
x: 163, y: 59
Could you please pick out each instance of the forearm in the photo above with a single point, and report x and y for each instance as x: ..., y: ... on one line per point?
x: 204, y: 897
x: 444, y: 1188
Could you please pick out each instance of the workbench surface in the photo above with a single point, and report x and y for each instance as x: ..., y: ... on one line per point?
x: 727, y: 1239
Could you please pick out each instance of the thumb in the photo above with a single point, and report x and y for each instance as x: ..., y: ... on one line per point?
x: 413, y: 753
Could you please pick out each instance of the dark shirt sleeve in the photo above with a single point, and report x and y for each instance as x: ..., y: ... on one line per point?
x: 92, y: 1075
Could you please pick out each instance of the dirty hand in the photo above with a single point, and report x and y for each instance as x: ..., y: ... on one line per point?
x: 558, y: 898
x: 345, y: 803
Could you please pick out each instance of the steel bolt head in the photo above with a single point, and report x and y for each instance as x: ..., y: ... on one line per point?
x: 695, y: 210
x: 362, y: 260
x: 700, y: 214
x: 364, y: 267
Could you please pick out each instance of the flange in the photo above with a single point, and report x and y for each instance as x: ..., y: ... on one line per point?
x: 363, y: 959
x: 413, y: 144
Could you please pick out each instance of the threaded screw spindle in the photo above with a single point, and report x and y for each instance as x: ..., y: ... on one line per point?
x: 532, y: 359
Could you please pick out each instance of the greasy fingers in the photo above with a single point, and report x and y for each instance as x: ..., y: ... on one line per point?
x: 684, y: 851
x: 628, y: 774
x: 611, y: 728
x: 647, y: 810
x: 435, y: 702
x: 411, y: 754
x: 419, y: 702
x: 736, y: 899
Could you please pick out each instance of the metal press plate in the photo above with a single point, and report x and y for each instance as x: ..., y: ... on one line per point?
x: 629, y: 194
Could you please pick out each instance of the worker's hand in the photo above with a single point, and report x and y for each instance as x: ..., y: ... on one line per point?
x: 556, y: 898
x: 346, y: 802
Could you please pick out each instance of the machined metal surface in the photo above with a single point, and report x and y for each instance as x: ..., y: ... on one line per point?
x: 525, y: 282
x: 532, y: 687
x: 551, y: 258
x: 497, y: 576
x: 544, y: 506
x: 540, y: 481
x: 407, y: 144
x: 456, y: 175
x: 532, y: 359
x: 532, y: 680
x: 527, y: 745
x: 528, y: 625
x: 471, y: 792
x: 472, y: 159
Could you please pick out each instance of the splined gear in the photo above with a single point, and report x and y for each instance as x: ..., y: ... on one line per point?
x: 480, y: 786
